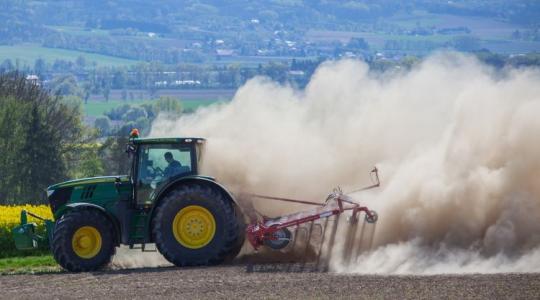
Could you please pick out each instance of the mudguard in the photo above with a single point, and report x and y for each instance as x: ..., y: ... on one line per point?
x: 197, y: 178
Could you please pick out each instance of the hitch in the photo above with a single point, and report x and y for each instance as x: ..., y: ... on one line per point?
x: 25, y: 235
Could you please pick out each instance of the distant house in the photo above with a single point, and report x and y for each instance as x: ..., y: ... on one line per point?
x: 185, y: 82
x: 297, y: 73
x: 290, y: 43
x: 224, y: 52
x: 160, y: 83
x: 33, y: 79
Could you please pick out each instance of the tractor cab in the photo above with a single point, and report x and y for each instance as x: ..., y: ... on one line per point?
x: 157, y: 162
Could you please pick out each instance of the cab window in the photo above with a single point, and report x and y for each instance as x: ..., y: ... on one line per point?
x: 159, y: 162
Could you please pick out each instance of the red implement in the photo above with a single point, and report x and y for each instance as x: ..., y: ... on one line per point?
x: 273, y: 232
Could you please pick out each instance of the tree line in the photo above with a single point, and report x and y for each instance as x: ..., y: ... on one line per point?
x: 83, y: 79
x: 43, y: 141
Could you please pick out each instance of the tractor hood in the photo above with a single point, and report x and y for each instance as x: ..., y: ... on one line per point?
x: 95, y: 190
x: 87, y: 181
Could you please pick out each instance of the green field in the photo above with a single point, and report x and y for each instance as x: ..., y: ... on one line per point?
x: 28, y: 53
x: 415, y: 18
x: 28, y: 264
x: 98, y: 108
x: 79, y: 30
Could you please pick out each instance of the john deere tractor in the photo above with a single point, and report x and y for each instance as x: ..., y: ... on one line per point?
x: 192, y: 219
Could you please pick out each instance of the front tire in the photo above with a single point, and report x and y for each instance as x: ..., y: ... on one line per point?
x: 83, y: 240
x: 195, y: 225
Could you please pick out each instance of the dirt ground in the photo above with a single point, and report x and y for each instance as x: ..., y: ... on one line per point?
x: 235, y: 282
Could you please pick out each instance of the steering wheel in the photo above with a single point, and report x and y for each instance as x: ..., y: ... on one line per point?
x: 158, y: 177
x: 157, y: 171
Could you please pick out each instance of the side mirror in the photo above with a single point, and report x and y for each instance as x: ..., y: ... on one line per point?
x: 130, y: 149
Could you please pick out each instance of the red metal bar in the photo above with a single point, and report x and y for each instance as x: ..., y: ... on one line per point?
x: 309, y: 218
x: 286, y: 199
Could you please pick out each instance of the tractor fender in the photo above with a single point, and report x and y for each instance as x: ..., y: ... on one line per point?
x: 194, y: 178
x: 109, y: 216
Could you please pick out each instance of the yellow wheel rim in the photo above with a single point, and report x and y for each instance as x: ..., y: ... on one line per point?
x: 194, y: 227
x: 86, y: 242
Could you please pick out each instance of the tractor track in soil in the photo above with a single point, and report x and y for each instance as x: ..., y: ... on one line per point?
x: 233, y: 281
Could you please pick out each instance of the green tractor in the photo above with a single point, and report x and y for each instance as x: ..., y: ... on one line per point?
x: 192, y: 219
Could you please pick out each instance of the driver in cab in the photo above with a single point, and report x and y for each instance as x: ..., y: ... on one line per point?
x: 174, y: 166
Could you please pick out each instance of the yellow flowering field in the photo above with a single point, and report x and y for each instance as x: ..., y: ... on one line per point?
x: 10, y: 216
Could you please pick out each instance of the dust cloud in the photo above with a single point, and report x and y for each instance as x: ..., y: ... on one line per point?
x: 129, y: 258
x: 456, y: 142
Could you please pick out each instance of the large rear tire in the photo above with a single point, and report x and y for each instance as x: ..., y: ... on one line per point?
x: 195, y: 225
x: 241, y: 236
x: 83, y: 240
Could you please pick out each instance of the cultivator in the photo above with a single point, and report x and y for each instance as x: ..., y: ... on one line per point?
x: 275, y: 233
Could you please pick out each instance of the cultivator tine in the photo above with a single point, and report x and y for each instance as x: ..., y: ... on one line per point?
x: 331, y: 243
x: 323, y: 233
x: 306, y: 248
x: 364, y: 233
x: 358, y: 248
x: 370, y: 244
x: 293, y: 246
x: 316, y: 249
x: 350, y: 237
x: 318, y: 225
x: 295, y: 236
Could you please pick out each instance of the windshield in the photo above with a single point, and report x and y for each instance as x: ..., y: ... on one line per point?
x: 157, y: 163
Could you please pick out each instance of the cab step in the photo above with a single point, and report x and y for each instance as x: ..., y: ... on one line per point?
x: 142, y: 247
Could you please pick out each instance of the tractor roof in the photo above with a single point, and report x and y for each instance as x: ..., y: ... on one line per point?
x: 169, y: 140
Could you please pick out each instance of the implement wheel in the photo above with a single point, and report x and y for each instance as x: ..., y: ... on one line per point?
x: 83, y: 240
x: 195, y: 225
x: 279, y: 240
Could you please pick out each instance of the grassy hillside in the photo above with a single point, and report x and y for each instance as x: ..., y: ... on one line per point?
x: 28, y: 53
x: 98, y: 108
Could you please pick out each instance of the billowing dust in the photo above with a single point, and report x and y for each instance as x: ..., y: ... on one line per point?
x: 130, y: 258
x: 456, y: 142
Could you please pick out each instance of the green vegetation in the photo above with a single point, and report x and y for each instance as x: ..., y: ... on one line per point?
x: 29, y: 53
x: 99, y: 108
x: 28, y: 265
x: 79, y: 30
x: 239, y: 31
x: 137, y: 116
x: 30, y: 123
